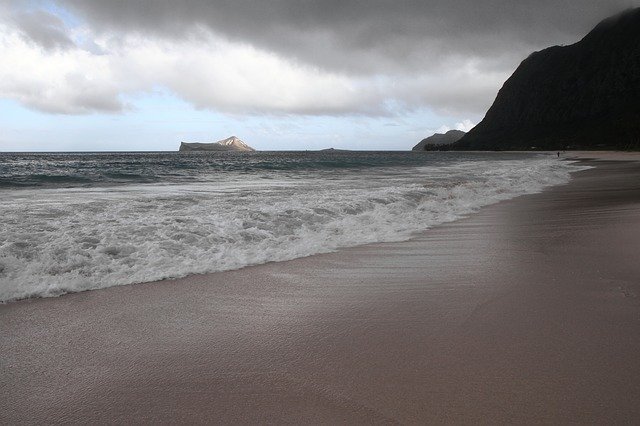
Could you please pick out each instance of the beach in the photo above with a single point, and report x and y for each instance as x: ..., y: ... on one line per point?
x: 527, y: 311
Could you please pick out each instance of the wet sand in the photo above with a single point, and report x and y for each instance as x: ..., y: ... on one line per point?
x: 526, y: 312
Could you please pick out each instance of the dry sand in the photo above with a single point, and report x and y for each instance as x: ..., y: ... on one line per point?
x: 526, y: 312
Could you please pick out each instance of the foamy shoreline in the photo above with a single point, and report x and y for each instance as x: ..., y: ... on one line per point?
x: 66, y: 240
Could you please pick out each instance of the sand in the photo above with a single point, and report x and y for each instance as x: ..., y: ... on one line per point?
x: 525, y: 312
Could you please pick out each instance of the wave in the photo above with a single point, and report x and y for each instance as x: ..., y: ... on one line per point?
x: 80, y: 239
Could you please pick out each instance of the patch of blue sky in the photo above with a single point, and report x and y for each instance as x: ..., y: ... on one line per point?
x: 70, y: 20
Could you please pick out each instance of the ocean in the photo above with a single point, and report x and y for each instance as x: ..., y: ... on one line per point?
x: 82, y: 221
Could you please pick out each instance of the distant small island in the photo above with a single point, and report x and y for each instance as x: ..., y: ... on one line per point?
x: 231, y: 143
x: 334, y: 150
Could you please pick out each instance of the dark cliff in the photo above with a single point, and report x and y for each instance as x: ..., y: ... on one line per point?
x: 582, y: 96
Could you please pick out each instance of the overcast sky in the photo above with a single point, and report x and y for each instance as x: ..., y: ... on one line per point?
x: 283, y: 74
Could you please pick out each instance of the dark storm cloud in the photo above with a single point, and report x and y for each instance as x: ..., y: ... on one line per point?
x: 322, y: 57
x: 368, y: 37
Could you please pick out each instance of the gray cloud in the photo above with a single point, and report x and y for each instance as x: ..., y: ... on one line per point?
x: 368, y: 37
x: 43, y: 28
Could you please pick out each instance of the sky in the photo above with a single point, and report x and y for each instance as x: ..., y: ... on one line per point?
x: 85, y: 75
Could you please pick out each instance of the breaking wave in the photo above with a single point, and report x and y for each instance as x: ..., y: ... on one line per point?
x: 59, y: 240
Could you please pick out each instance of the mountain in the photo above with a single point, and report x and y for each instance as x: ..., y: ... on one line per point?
x: 230, y: 144
x: 582, y: 96
x: 439, y: 139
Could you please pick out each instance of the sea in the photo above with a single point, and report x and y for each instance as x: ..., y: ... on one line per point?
x: 71, y: 222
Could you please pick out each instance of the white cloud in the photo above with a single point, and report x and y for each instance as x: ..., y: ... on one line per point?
x: 97, y: 71
x: 214, y: 73
x: 62, y: 81
x: 465, y: 125
x: 208, y: 72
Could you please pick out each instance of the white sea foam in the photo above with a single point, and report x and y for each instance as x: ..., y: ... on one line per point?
x: 54, y: 241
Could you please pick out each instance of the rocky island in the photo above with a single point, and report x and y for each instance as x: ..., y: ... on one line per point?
x: 334, y: 150
x: 232, y: 143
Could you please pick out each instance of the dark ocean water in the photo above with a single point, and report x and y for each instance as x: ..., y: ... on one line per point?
x: 52, y: 170
x: 24, y: 170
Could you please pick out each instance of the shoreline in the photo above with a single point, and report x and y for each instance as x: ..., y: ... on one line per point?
x: 603, y: 155
x: 525, y: 311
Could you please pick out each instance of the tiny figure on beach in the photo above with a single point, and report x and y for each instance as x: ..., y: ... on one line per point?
x: 558, y: 154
